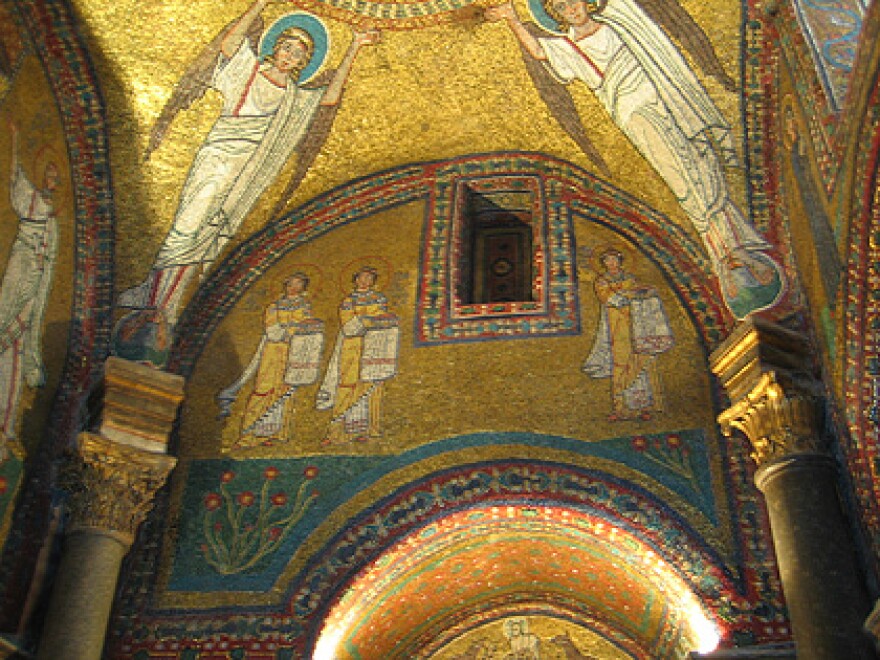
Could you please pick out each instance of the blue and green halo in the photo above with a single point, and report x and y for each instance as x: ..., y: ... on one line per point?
x: 542, y: 18
x: 304, y: 21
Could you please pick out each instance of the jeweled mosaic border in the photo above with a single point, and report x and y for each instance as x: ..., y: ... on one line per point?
x: 861, y: 343
x: 677, y: 255
x: 51, y: 25
x: 441, y: 320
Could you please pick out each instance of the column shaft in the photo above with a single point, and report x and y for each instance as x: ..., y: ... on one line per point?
x: 111, y: 482
x: 824, y: 589
x: 82, y: 597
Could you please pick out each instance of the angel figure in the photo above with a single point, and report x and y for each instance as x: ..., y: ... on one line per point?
x: 618, y: 49
x: 268, y: 114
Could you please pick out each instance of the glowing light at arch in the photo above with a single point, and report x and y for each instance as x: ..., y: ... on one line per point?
x: 403, y: 601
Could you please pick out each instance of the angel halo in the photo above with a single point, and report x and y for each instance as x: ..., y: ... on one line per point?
x: 542, y: 17
x: 308, y: 23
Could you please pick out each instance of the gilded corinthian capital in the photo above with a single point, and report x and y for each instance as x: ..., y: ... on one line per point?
x: 776, y: 401
x: 112, y: 479
x: 111, y: 486
x: 778, y: 421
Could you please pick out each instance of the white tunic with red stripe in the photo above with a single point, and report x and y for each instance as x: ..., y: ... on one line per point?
x: 654, y: 98
x: 259, y: 127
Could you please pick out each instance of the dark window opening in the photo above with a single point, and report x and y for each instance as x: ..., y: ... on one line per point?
x: 495, y: 262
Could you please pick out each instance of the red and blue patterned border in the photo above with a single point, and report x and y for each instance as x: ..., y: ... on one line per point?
x: 665, y: 243
x: 861, y: 345
x: 51, y: 28
x: 441, y: 318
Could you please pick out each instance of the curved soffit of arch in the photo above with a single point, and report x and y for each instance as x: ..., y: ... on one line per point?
x: 404, y: 525
x: 471, y: 561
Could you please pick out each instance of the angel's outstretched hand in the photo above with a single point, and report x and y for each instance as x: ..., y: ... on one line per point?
x: 367, y: 37
x: 501, y: 12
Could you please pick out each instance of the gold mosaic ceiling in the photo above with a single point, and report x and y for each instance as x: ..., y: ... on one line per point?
x: 456, y: 87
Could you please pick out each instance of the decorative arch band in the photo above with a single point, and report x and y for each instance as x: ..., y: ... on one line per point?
x: 658, y: 238
x: 401, y: 528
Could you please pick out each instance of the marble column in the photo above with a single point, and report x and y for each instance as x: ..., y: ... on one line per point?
x: 111, y: 482
x: 778, y: 403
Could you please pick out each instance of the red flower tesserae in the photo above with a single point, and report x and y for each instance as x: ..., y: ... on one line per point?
x: 213, y: 501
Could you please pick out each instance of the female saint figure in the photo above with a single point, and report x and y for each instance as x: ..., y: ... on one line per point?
x: 633, y: 330
x: 364, y: 357
x: 286, y: 359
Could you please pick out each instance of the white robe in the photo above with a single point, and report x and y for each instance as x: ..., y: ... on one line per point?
x: 23, y: 296
x: 259, y: 127
x: 655, y: 99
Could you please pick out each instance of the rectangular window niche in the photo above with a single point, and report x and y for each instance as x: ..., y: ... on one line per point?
x: 497, y: 262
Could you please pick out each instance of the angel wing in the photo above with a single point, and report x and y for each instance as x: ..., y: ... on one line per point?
x: 560, y: 103
x: 311, y: 144
x: 194, y: 83
x: 680, y: 25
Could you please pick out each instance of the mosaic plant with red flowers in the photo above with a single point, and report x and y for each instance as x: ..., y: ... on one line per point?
x: 670, y: 451
x: 241, y: 527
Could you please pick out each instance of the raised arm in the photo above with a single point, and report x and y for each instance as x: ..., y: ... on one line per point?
x: 234, y: 37
x: 507, y: 13
x: 337, y: 84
